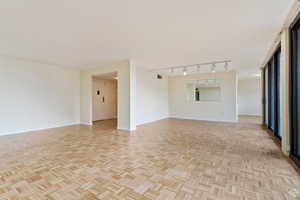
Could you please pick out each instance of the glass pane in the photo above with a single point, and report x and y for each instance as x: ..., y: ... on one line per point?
x: 272, y: 98
x: 266, y: 96
x: 271, y: 95
x: 298, y: 90
x: 278, y: 62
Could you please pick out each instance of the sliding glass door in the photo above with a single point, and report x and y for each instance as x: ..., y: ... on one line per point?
x: 295, y: 90
x: 263, y: 85
x: 271, y: 94
x: 273, y: 91
x: 277, y: 62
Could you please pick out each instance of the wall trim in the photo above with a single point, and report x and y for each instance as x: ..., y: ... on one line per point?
x: 126, y: 129
x: 39, y: 129
x: 201, y: 119
x: 251, y: 115
x: 86, y: 123
x: 151, y: 121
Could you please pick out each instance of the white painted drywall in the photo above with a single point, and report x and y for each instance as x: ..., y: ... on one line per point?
x: 37, y: 96
x: 224, y: 110
x: 125, y: 95
x: 249, y: 97
x: 108, y: 90
x: 151, y: 97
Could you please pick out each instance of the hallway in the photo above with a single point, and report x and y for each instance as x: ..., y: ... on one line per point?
x: 164, y: 160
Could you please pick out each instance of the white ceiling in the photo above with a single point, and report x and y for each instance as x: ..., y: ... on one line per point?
x: 154, y: 33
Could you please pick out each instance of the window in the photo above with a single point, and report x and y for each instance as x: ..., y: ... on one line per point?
x: 264, y: 97
x: 273, y: 92
x: 295, y: 91
x: 277, y: 62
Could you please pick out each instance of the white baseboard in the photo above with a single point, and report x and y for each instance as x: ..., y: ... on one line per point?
x: 110, y: 118
x: 150, y: 121
x: 119, y: 128
x: 86, y: 123
x: 39, y: 129
x: 124, y: 129
x: 201, y: 119
x: 252, y: 115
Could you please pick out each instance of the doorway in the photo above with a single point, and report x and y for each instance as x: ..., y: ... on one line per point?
x: 104, y: 97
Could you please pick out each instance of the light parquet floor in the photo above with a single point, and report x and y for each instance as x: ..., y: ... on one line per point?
x: 167, y: 160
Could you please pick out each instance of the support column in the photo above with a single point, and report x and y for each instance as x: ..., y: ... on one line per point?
x: 132, y: 96
x: 285, y: 92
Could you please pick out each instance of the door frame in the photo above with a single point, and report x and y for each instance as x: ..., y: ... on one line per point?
x: 92, y: 91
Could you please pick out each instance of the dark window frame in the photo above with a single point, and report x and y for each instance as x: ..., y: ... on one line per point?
x: 273, y: 90
x: 264, y: 101
x: 277, y: 91
x: 293, y: 90
x: 270, y: 104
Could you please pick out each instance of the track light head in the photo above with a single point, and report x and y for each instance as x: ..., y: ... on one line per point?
x: 184, y: 71
x: 172, y: 70
x: 196, y: 67
x: 213, y: 68
x: 226, y: 66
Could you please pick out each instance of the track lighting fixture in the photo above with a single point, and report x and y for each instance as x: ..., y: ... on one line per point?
x: 213, y: 68
x: 226, y: 66
x: 198, y: 67
x: 172, y: 70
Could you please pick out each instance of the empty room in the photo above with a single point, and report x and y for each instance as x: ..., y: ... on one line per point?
x: 150, y: 100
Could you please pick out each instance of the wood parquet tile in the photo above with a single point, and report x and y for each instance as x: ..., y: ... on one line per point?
x: 167, y: 160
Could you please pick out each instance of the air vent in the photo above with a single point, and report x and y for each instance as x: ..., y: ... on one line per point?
x: 159, y: 76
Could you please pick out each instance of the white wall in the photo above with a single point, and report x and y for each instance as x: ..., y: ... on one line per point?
x: 37, y: 96
x: 108, y: 90
x: 209, y: 94
x: 125, y: 95
x: 225, y: 110
x: 151, y: 97
x: 249, y: 97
